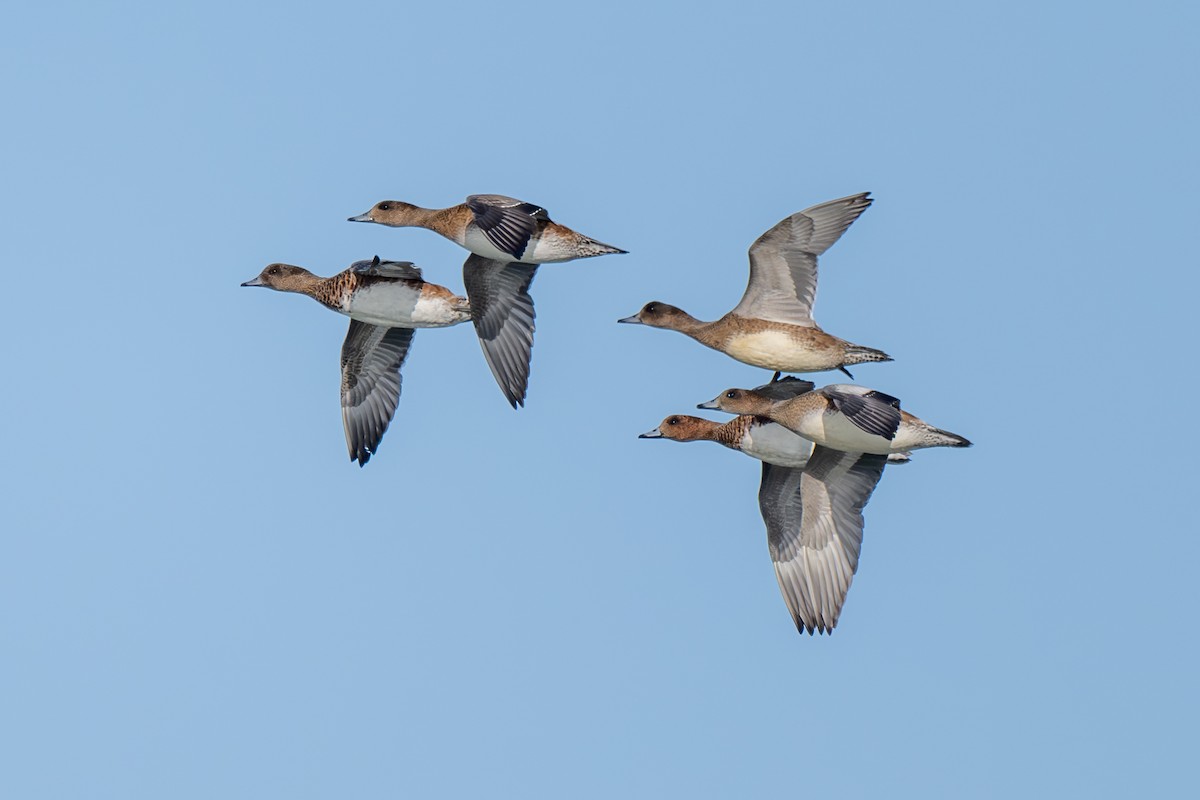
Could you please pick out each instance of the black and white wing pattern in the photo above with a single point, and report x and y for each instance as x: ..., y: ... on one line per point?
x: 505, y: 221
x: 874, y: 412
x: 783, y: 261
x: 371, y: 359
x: 814, y: 530
x: 502, y: 312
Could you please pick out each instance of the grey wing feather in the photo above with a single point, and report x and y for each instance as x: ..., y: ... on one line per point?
x: 782, y: 509
x: 371, y: 359
x: 816, y: 539
x: 387, y: 269
x: 502, y: 311
x: 874, y: 412
x: 783, y: 261
x: 506, y: 222
x: 784, y: 388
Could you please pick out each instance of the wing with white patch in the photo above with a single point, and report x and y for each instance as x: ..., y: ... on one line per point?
x: 814, y: 530
x: 387, y: 269
x: 506, y: 222
x: 874, y: 412
x: 371, y: 359
x: 502, y: 311
x: 783, y: 261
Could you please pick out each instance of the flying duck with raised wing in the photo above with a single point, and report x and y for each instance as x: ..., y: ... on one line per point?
x: 772, y: 327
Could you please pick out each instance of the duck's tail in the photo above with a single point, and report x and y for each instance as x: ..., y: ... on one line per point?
x: 857, y: 354
x: 930, y: 436
x: 590, y: 247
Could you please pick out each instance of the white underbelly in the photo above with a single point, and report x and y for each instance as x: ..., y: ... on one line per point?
x: 537, y: 251
x: 777, y: 445
x: 480, y: 245
x: 837, y: 432
x: 774, y: 349
x: 401, y: 305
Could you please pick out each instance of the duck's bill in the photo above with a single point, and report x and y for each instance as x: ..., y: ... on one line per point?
x: 360, y: 218
x: 631, y: 320
x: 711, y: 405
x: 255, y: 282
x: 654, y: 434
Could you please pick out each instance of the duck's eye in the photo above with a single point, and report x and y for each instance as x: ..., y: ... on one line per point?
x: 385, y: 206
x: 273, y: 271
x: 673, y: 421
x: 732, y: 395
x: 650, y: 309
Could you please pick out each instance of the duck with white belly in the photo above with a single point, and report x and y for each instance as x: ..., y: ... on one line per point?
x: 842, y: 416
x: 772, y: 327
x: 508, y: 240
x: 386, y: 301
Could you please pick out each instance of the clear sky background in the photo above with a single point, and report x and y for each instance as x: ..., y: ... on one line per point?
x: 201, y: 597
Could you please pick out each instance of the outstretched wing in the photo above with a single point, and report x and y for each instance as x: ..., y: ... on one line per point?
x: 502, y: 312
x: 506, y: 222
x: 814, y: 530
x: 371, y: 359
x: 783, y: 261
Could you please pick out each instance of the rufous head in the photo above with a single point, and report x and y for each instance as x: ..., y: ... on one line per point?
x: 682, y: 428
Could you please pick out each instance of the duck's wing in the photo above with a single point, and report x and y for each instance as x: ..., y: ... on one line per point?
x: 502, y: 312
x: 875, y: 412
x: 784, y: 388
x: 814, y: 530
x: 387, y: 269
x: 505, y: 221
x: 783, y: 261
x: 371, y: 359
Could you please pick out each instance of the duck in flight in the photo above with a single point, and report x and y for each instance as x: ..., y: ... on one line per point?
x: 508, y: 239
x: 757, y: 437
x: 772, y: 327
x: 386, y: 301
x: 841, y: 416
x: 493, y: 226
x: 811, y: 499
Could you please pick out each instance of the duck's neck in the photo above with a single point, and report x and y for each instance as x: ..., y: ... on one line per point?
x: 687, y: 324
x: 417, y: 217
x: 730, y: 434
x: 327, y: 291
x: 446, y: 221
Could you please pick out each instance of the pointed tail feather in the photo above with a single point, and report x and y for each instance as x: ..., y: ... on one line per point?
x: 857, y: 354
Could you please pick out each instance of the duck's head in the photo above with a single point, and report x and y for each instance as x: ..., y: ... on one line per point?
x: 740, y: 401
x: 659, y: 315
x: 283, y: 278
x: 387, y: 212
x: 682, y: 428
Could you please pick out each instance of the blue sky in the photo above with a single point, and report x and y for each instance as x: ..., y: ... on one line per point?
x: 200, y: 596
